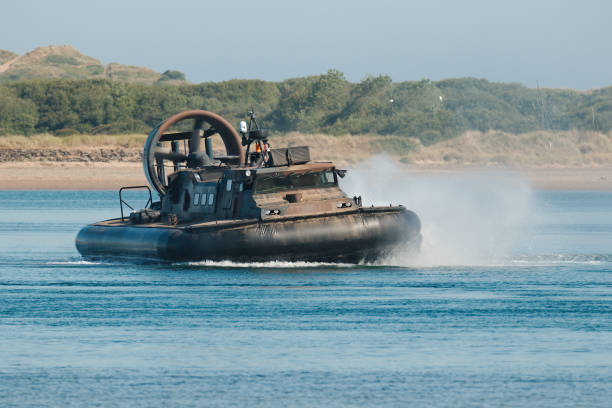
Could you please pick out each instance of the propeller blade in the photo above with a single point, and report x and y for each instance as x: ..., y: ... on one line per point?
x: 170, y: 137
x: 210, y: 132
x: 196, y: 135
x: 172, y: 156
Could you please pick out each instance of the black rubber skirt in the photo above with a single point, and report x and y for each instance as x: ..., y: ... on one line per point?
x: 364, y: 235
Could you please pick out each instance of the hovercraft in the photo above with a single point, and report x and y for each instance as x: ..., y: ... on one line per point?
x: 253, y: 204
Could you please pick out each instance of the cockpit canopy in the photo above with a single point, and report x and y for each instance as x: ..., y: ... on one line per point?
x: 265, y: 184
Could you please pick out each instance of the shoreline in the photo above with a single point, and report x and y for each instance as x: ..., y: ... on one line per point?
x: 42, y: 175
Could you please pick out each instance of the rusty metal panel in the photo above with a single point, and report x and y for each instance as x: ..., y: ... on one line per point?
x: 278, y: 157
x: 298, y: 155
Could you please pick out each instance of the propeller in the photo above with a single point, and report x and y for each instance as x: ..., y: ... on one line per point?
x: 162, y: 147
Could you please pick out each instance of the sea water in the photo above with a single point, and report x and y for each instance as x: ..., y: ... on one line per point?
x: 509, y: 304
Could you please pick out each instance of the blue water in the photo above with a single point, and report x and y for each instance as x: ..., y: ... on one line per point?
x: 531, y: 327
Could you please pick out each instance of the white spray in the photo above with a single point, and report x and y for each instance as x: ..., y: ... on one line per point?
x: 468, y: 218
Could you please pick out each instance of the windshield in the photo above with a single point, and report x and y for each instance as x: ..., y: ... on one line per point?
x: 271, y: 184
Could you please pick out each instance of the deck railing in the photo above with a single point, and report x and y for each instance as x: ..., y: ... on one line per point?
x: 122, y: 202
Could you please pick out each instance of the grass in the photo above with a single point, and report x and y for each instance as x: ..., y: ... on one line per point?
x: 473, y: 148
x: 61, y: 60
x: 534, y: 149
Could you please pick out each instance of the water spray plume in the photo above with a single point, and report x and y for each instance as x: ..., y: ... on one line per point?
x: 468, y: 217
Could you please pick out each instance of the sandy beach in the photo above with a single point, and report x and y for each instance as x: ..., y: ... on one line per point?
x: 549, y: 160
x: 113, y: 175
x: 70, y: 176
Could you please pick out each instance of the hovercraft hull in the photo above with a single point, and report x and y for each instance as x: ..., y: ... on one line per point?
x: 362, y: 235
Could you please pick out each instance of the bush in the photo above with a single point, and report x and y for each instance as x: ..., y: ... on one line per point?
x: 430, y: 136
x: 66, y: 132
x: 328, y: 103
x: 17, y: 116
x: 172, y: 75
x: 61, y: 60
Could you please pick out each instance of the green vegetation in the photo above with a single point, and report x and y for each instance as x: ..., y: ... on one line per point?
x: 424, y: 110
x: 171, y: 75
x: 61, y: 59
x: 95, y: 69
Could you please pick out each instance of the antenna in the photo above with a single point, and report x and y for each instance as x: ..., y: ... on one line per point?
x: 253, y: 133
x: 248, y: 94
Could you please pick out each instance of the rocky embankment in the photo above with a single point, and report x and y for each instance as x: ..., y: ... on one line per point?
x: 70, y: 155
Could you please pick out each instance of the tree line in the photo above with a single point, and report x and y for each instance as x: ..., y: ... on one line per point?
x: 427, y: 110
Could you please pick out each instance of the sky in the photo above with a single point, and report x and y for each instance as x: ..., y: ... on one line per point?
x: 558, y: 44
